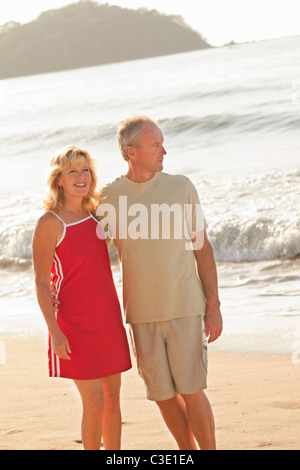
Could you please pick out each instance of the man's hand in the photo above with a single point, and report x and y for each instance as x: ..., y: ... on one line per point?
x: 213, y: 322
x: 207, y: 272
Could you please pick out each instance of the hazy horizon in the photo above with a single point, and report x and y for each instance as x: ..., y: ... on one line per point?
x: 218, y: 21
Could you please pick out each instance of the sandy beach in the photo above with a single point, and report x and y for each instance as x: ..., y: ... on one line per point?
x: 236, y: 137
x: 255, y: 398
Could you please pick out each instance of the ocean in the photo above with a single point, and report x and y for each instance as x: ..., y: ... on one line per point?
x: 230, y: 117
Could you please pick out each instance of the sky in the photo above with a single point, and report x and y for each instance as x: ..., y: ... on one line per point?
x: 219, y: 21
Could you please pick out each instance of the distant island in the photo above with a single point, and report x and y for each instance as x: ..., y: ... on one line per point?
x: 86, y: 34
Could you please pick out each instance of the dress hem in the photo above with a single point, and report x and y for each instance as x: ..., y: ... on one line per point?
x: 91, y: 378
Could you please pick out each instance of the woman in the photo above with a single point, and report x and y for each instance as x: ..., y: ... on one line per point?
x: 87, y: 339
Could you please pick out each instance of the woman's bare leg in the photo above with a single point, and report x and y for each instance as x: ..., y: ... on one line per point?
x: 93, y: 402
x: 112, y: 420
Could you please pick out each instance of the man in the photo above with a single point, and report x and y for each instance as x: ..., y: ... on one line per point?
x: 167, y: 288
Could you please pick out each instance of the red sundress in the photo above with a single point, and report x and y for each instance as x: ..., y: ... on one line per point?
x: 89, y: 311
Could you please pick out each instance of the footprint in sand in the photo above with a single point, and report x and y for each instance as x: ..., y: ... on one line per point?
x: 14, y: 431
x: 287, y: 405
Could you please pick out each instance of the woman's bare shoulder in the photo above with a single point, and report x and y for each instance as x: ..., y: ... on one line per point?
x: 48, y: 223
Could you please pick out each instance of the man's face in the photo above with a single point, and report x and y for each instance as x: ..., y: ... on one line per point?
x: 149, y: 156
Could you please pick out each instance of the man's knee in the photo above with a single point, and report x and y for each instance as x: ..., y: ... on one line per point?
x: 198, y: 399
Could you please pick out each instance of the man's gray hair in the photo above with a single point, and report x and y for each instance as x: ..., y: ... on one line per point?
x: 129, y: 132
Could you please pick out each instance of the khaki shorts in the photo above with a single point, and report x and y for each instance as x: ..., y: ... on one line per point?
x: 171, y: 356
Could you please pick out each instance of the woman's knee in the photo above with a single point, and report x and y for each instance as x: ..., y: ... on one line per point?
x: 92, y: 395
x: 112, y: 387
x: 95, y: 406
x: 112, y: 399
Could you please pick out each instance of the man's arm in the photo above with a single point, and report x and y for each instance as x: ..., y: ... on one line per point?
x: 207, y: 273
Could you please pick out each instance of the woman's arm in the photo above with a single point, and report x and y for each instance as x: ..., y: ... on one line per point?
x: 45, y: 237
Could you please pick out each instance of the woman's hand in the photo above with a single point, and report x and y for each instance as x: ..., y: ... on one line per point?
x: 60, y: 345
x: 55, y: 300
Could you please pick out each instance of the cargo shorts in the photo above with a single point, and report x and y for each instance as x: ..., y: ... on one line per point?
x: 171, y: 356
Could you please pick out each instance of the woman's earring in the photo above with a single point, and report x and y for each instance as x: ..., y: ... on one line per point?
x: 61, y: 189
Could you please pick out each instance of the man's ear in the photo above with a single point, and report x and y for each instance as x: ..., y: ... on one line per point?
x: 130, y: 151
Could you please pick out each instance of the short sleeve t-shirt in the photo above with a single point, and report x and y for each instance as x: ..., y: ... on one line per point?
x: 151, y: 224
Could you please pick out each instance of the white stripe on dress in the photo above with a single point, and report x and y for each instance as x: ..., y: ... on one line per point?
x: 59, y: 272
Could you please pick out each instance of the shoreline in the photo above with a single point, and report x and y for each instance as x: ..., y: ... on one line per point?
x: 255, y: 400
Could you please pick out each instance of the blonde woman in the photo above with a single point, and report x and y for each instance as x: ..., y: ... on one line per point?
x: 87, y: 339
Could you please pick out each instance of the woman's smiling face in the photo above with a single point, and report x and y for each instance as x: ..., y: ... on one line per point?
x: 76, y: 179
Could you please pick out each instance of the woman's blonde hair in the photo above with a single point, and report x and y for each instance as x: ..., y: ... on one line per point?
x: 66, y: 158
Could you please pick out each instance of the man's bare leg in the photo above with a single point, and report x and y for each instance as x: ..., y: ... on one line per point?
x: 175, y: 416
x: 201, y: 420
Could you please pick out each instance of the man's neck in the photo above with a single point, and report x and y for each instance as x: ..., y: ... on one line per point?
x: 138, y: 177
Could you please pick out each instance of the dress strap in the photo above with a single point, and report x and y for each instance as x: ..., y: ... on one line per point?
x: 64, y: 231
x: 58, y: 217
